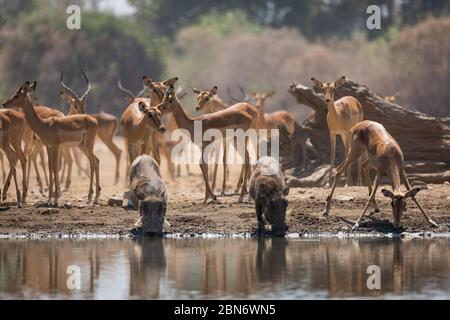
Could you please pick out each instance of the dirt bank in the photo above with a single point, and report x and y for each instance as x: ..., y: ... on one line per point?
x: 187, y: 214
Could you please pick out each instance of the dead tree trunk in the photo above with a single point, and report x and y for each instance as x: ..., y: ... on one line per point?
x: 425, y: 140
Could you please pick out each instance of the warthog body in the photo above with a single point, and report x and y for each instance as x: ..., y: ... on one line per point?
x: 148, y: 194
x: 269, y: 191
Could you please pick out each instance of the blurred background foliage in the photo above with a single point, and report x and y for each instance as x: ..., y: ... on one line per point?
x: 262, y: 45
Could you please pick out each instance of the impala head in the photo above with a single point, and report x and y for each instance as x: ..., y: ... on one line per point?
x: 328, y: 88
x: 169, y: 97
x: 261, y: 97
x: 158, y: 89
x: 398, y: 203
x: 77, y: 104
x: 18, y: 98
x: 204, y: 98
x: 153, y: 115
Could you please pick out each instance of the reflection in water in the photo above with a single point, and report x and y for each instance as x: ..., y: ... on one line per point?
x: 224, y: 268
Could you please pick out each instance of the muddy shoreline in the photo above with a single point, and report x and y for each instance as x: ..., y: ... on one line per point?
x: 188, y: 215
x: 191, y: 218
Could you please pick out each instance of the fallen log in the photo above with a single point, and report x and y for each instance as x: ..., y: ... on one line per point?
x: 423, y: 138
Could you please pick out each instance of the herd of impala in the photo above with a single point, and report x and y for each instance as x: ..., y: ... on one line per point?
x: 26, y: 127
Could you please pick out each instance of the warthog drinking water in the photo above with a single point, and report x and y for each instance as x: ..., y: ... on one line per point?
x: 269, y: 191
x: 148, y: 194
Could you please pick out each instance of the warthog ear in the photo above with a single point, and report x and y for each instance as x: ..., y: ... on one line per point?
x: 286, y: 189
x: 387, y: 193
x: 412, y: 192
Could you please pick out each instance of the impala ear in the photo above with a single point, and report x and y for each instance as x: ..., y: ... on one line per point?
x: 170, y: 82
x: 214, y: 90
x: 412, y: 192
x: 65, y: 97
x: 271, y: 94
x: 341, y: 81
x: 195, y: 90
x: 142, y: 106
x: 33, y: 86
x: 387, y: 193
x: 128, y: 98
x: 147, y: 81
x: 317, y: 83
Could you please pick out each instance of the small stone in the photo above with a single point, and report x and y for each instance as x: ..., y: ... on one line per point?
x: 345, y: 198
x: 115, y: 201
x: 48, y: 211
x: 67, y: 205
x: 80, y: 206
x: 446, y: 182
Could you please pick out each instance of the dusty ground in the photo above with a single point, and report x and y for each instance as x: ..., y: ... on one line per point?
x: 187, y: 214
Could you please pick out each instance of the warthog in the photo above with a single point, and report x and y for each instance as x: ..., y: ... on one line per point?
x: 148, y: 194
x: 269, y: 191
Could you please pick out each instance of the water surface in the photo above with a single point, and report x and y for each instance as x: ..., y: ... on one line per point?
x: 224, y: 268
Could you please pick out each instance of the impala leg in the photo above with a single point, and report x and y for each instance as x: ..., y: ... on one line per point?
x: 50, y: 171
x: 23, y: 162
x: 12, y: 159
x: 332, y: 156
x: 346, y: 140
x: 371, y: 198
x: 55, y: 155
x: 246, y: 172
x: 359, y: 178
x: 204, y: 167
x: 3, y: 167
x: 408, y: 186
x: 107, y: 139
x: 43, y: 164
x: 340, y: 169
x: 365, y: 166
x: 225, y: 168
x: 33, y: 157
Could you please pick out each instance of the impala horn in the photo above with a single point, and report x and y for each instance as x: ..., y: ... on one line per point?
x: 89, y: 88
x: 70, y: 91
x: 126, y: 91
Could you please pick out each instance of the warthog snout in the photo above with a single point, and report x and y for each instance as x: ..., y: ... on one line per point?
x: 152, y: 212
x: 276, y: 215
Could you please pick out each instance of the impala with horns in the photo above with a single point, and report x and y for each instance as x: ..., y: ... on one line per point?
x: 107, y: 123
x: 55, y: 132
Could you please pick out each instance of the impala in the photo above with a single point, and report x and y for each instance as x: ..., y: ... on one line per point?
x: 107, y: 123
x: 385, y: 155
x: 11, y: 131
x: 342, y: 115
x: 210, y: 102
x: 57, y: 131
x: 141, y: 119
x: 238, y: 116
